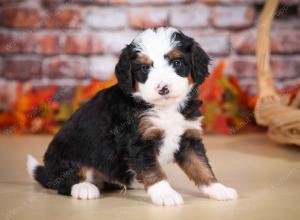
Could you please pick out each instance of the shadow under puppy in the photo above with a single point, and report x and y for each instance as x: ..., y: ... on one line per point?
x: 123, y: 135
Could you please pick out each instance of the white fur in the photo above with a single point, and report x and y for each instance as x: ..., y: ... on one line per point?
x: 85, y: 190
x: 32, y: 163
x: 161, y: 193
x: 219, y: 192
x: 89, y: 176
x: 155, y: 45
x: 173, y: 124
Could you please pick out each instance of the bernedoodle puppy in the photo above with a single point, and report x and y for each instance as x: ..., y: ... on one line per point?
x: 123, y: 135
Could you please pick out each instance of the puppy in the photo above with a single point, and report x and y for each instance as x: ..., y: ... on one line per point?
x: 123, y: 135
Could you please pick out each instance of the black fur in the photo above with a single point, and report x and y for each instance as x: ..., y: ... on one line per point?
x: 197, y: 57
x: 123, y: 69
x: 191, y: 111
x: 94, y: 136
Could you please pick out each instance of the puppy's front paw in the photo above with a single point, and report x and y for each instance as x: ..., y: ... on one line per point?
x: 219, y: 192
x: 161, y: 193
x: 85, y: 190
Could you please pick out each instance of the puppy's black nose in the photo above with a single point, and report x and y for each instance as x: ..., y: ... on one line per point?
x: 164, y: 90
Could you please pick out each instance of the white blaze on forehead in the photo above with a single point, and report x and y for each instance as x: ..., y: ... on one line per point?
x: 156, y: 43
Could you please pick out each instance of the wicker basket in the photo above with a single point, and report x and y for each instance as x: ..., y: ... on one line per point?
x: 283, y: 122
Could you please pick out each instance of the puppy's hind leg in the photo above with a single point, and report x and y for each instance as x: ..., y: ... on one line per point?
x: 85, y: 189
x: 77, y: 181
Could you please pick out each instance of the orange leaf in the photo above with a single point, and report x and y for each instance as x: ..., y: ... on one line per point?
x: 221, y: 124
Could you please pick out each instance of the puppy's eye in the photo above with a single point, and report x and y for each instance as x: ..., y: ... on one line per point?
x: 176, y: 63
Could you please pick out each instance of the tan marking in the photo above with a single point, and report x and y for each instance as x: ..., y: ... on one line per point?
x: 144, y: 59
x: 175, y: 53
x: 192, y: 133
x: 152, y: 133
x: 98, y: 178
x: 190, y: 79
x: 196, y: 169
x: 136, y: 86
x: 148, y: 130
x: 151, y: 177
x: 84, y: 172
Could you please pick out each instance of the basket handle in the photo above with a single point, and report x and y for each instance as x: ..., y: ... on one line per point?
x: 264, y: 73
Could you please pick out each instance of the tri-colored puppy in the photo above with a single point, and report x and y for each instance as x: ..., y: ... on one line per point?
x: 123, y: 135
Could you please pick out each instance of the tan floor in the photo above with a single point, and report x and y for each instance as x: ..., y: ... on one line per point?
x: 266, y: 175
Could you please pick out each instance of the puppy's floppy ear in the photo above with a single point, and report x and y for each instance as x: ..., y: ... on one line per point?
x: 123, y: 70
x: 200, y: 62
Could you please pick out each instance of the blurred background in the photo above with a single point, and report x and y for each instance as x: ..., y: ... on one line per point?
x: 55, y: 54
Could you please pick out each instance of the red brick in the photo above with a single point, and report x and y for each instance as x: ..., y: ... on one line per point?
x: 289, y: 2
x: 286, y: 41
x: 22, y: 68
x: 233, y: 17
x: 65, y: 67
x: 282, y: 67
x: 8, y: 94
x: 11, y: 42
x: 282, y: 42
x: 47, y: 44
x: 243, y: 67
x: 189, y: 16
x: 51, y: 3
x: 110, y: 18
x: 101, y: 2
x: 147, y: 2
x: 285, y: 24
x: 102, y: 67
x: 1, y: 66
x: 55, y: 3
x: 245, y: 42
x: 229, y: 2
x: 29, y: 42
x: 149, y: 17
x: 250, y: 85
x: 82, y: 43
x: 215, y: 44
x: 63, y: 18
x: 20, y: 17
x: 8, y: 2
x: 65, y: 88
x: 114, y: 42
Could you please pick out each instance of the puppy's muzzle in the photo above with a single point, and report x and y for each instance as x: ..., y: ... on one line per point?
x: 163, y: 90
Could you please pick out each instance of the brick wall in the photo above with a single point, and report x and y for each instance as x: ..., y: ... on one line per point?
x: 66, y: 42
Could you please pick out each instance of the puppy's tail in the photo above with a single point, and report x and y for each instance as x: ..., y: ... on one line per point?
x: 38, y: 172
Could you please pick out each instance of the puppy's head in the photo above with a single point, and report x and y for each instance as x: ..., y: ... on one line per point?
x: 161, y: 65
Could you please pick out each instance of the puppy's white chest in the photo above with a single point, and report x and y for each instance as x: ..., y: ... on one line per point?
x: 174, y: 125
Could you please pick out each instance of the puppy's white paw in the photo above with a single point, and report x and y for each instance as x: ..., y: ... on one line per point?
x: 219, y: 192
x: 161, y: 193
x: 85, y: 190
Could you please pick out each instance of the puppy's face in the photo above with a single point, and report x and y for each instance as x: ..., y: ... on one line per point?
x: 160, y: 66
